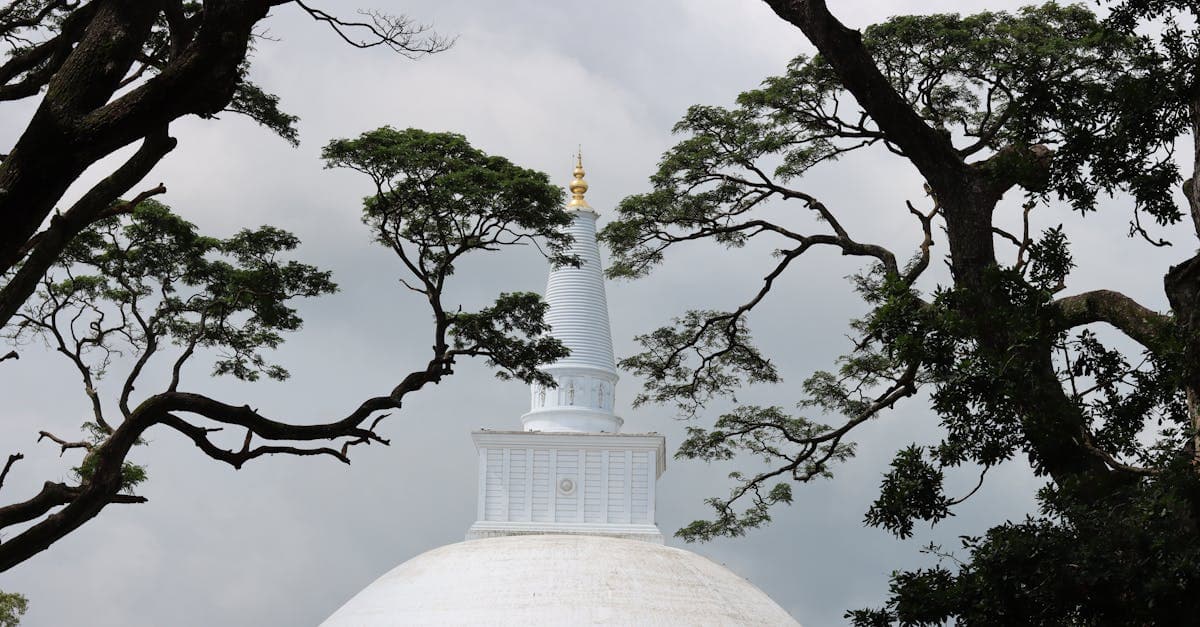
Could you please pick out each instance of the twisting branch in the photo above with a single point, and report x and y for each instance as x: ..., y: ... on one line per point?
x: 12, y: 459
x: 979, y: 484
x: 812, y: 448
x: 926, y: 219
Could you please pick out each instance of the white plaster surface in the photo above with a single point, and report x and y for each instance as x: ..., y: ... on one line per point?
x: 585, y: 391
x: 554, y: 482
x: 559, y: 580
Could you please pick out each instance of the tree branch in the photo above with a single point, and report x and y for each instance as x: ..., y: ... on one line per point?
x: 64, y: 444
x: 932, y: 153
x: 1143, y: 325
x: 43, y: 250
x: 398, y: 33
x: 12, y: 459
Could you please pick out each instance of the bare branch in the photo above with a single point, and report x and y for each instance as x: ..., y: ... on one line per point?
x: 12, y: 459
x: 399, y: 33
x: 51, y: 496
x: 64, y: 444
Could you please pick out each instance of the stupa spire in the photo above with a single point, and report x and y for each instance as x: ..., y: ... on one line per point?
x: 583, y: 398
x: 571, y: 470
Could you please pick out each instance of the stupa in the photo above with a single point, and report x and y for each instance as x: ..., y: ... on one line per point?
x: 566, y: 531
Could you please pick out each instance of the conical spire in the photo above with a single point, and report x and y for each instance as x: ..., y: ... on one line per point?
x: 578, y: 317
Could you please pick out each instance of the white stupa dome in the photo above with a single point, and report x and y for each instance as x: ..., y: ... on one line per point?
x: 559, y: 580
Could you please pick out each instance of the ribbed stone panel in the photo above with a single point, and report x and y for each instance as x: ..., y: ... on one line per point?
x: 578, y: 309
x: 585, y: 391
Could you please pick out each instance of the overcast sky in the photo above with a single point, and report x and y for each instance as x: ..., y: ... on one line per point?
x: 286, y: 541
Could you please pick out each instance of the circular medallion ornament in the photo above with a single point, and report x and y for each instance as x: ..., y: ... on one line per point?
x: 566, y: 485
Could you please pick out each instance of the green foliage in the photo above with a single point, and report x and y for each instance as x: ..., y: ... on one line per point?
x: 1107, y: 104
x: 151, y: 276
x: 725, y: 360
x: 251, y: 101
x: 437, y: 192
x: 1050, y: 99
x: 768, y: 433
x: 133, y: 282
x: 131, y: 474
x: 1046, y: 74
x: 438, y: 199
x: 1127, y: 560
x: 12, y: 607
x: 497, y: 332
x: 1049, y: 260
x: 911, y: 490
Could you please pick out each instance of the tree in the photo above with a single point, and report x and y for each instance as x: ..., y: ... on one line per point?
x: 1051, y: 102
x: 144, y: 284
x: 112, y: 73
x: 119, y: 72
x: 12, y: 607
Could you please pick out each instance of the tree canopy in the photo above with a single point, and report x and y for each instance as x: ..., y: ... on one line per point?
x: 144, y: 284
x: 1052, y: 103
x: 127, y: 290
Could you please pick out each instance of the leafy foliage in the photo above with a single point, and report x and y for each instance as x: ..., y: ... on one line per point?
x: 131, y: 283
x: 490, y: 333
x: 12, y: 607
x: 437, y: 199
x: 706, y: 354
x: 1050, y: 99
x: 911, y: 490
x: 135, y: 281
x: 1127, y: 560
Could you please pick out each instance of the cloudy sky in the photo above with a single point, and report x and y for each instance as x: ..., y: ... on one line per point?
x: 287, y: 541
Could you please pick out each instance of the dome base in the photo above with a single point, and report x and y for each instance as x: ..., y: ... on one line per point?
x: 559, y: 580
x: 645, y: 533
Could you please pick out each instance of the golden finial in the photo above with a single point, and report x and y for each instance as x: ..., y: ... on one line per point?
x: 578, y: 186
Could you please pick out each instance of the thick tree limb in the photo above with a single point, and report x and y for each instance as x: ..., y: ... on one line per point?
x: 842, y: 47
x: 1141, y: 324
x: 39, y: 62
x: 96, y: 204
x: 52, y: 495
x: 77, y: 124
x: 967, y: 195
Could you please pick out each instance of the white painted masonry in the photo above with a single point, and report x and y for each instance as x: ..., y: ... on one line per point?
x: 560, y: 580
x: 589, y: 483
x: 585, y: 391
x: 570, y: 471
